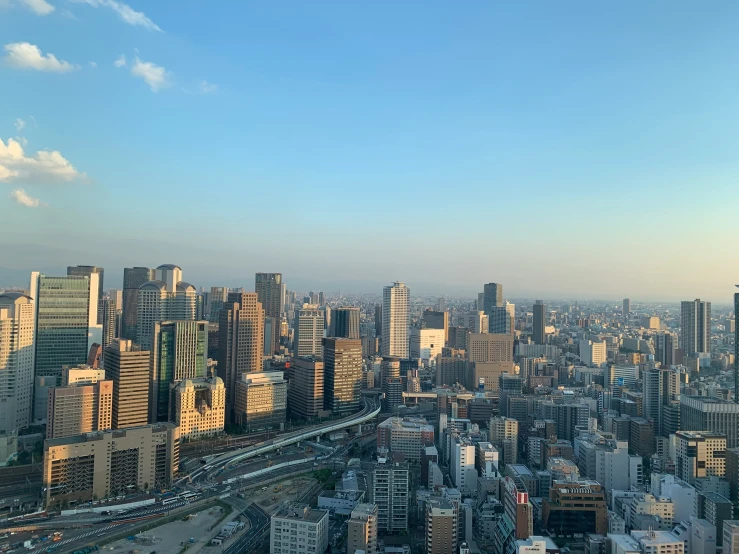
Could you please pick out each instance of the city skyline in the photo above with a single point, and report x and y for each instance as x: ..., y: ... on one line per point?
x: 598, y: 132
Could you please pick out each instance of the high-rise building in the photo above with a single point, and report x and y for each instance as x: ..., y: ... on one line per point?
x: 128, y: 367
x: 261, y: 400
x: 133, y: 278
x: 109, y: 312
x: 86, y: 271
x: 168, y: 298
x: 314, y: 524
x: 104, y: 463
x: 539, y: 325
x: 665, y: 345
x: 66, y: 314
x: 593, y: 353
x: 308, y: 331
x: 477, y: 322
x: 492, y: 295
x: 179, y: 351
x: 695, y: 327
x: 342, y: 359
x: 395, y: 318
x: 736, y: 348
x: 199, y: 407
x: 17, y: 323
x: 662, y: 400
x: 362, y: 530
x: 488, y: 347
x: 346, y: 322
x: 503, y: 432
x: 408, y: 436
x: 575, y: 507
x: 705, y: 413
x: 305, y: 393
x: 240, y: 342
x: 437, y: 320
x: 79, y: 408
x: 462, y: 464
x: 378, y: 320
x: 626, y: 306
x: 699, y: 454
x: 441, y: 526
x: 426, y: 343
x: 270, y: 294
x: 217, y: 297
x: 502, y: 319
x: 390, y: 491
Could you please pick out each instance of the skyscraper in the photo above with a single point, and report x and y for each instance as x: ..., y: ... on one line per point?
x: 695, y: 327
x: 395, y: 304
x: 378, y: 320
x: 240, y: 342
x: 662, y: 400
x: 501, y: 319
x: 305, y: 394
x: 437, y: 320
x: 17, y: 324
x: 706, y: 413
x: 86, y: 271
x: 736, y: 347
x: 269, y: 289
x: 308, y: 331
x: 346, y: 322
x: 389, y: 490
x: 627, y: 306
x: 342, y: 360
x: 109, y: 312
x: 539, y: 334
x: 133, y: 278
x: 492, y: 295
x: 128, y: 367
x: 217, y: 297
x: 179, y: 351
x: 665, y: 345
x: 66, y: 312
x: 168, y: 298
x: 79, y: 408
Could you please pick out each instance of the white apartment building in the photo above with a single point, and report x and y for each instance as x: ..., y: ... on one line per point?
x: 593, y: 353
x: 298, y: 529
x: 462, y: 462
x: 426, y: 344
x: 17, y: 324
x: 395, y: 318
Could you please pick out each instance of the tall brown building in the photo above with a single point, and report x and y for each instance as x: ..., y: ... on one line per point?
x: 342, y: 362
x: 240, y: 342
x: 305, y: 391
x: 490, y: 347
x: 127, y: 366
x: 77, y: 409
x: 270, y: 290
x: 575, y: 507
x: 441, y: 526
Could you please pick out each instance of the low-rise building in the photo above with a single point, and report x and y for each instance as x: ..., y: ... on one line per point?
x: 407, y: 435
x: 298, y: 529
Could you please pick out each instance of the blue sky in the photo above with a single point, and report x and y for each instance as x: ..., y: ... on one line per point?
x: 579, y: 148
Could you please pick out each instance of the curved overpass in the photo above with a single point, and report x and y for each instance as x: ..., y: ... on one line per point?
x: 370, y: 411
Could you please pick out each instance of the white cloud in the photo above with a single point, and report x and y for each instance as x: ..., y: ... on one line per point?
x: 93, y: 65
x: 43, y: 167
x: 125, y: 12
x: 206, y: 87
x: 19, y: 125
x: 120, y: 62
x: 20, y: 196
x: 155, y: 75
x: 24, y: 55
x: 39, y: 7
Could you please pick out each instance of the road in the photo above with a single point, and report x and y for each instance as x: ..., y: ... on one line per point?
x: 259, y: 524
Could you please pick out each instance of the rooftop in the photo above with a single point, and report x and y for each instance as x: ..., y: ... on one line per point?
x: 651, y: 538
x: 302, y: 512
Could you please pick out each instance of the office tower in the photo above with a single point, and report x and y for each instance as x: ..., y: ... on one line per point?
x: 261, y: 400
x: 66, y: 312
x: 503, y: 434
x: 342, y: 359
x: 81, y: 375
x: 502, y: 319
x: 486, y: 460
x: 426, y: 343
x: 489, y: 347
x: 736, y: 347
x: 199, y: 407
x: 620, y: 376
x: 492, y: 295
x: 437, y: 320
x: 346, y: 322
x: 389, y: 489
x: 86, y: 271
x: 703, y: 413
x: 450, y: 370
x: 269, y: 336
x: 441, y: 526
x: 128, y: 367
x: 378, y: 320
x: 395, y: 303
x: 462, y: 464
x: 133, y: 278
x: 578, y: 507
x: 362, y: 530
x: 593, y: 353
x: 517, y: 508
x: 695, y: 327
x: 627, y: 306
x: 313, y: 523
x: 477, y: 322
x: 106, y: 463
x: 305, y: 393
x: 109, y: 312
x: 665, y: 345
x: 240, y: 342
x: 168, y: 298
x: 308, y: 331
x: 179, y: 351
x: 216, y: 298
x: 567, y: 417
x: 539, y: 335
x: 662, y: 400
x: 17, y: 323
x: 408, y: 436
x: 699, y: 454
x: 270, y: 290
x: 79, y: 408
